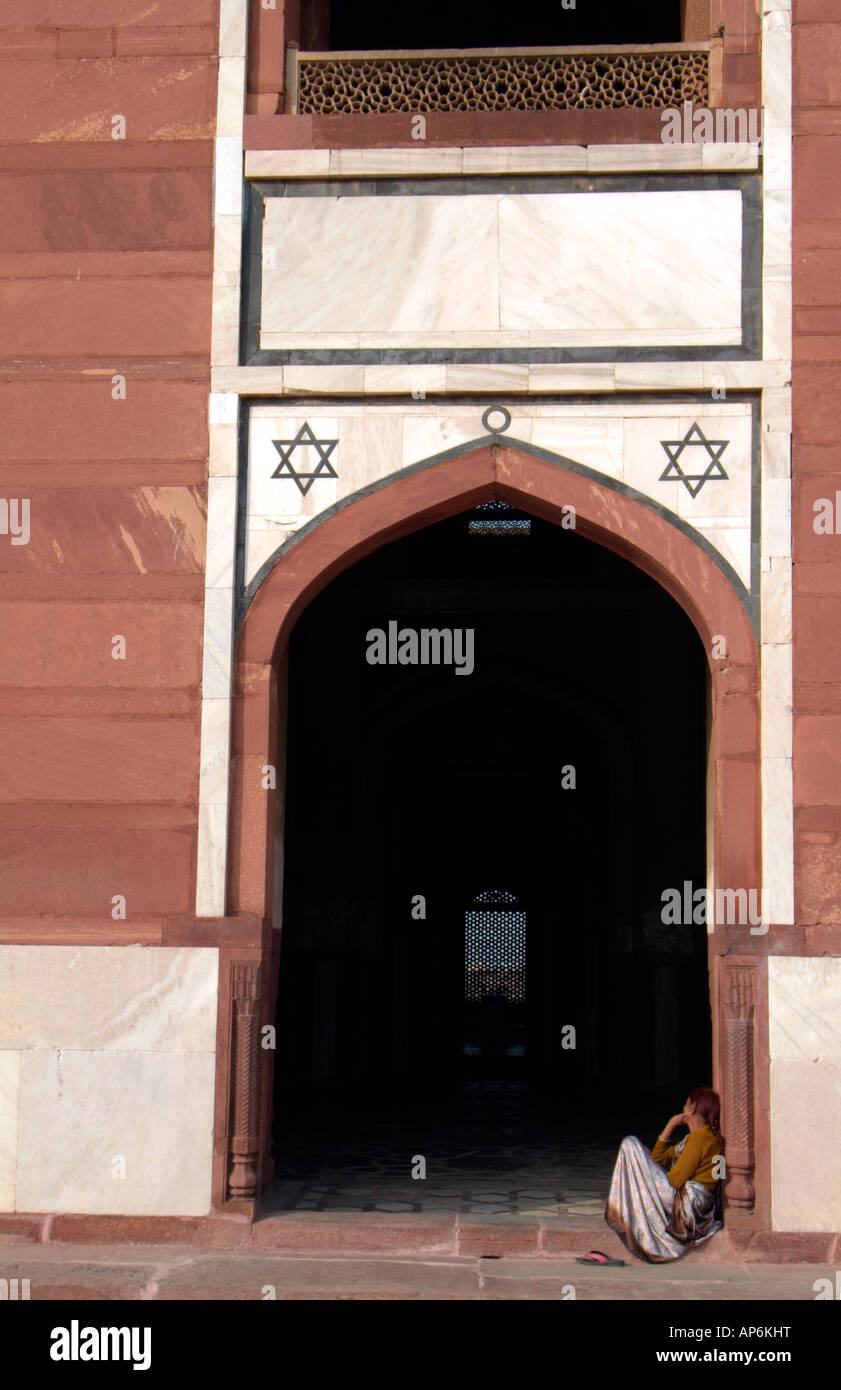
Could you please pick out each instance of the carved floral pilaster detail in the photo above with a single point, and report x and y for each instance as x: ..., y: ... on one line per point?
x: 739, y: 1016
x: 245, y: 1079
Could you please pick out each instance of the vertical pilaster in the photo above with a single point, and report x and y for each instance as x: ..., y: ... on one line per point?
x: 739, y: 1022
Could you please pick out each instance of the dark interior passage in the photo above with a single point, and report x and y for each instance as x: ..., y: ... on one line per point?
x: 474, y: 863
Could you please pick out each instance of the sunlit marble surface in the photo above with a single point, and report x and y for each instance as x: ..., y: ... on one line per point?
x: 528, y: 270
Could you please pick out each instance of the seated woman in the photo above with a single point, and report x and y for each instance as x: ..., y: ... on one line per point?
x: 660, y: 1215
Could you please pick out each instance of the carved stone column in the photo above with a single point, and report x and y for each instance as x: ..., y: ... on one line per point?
x: 245, y: 1081
x: 739, y: 1012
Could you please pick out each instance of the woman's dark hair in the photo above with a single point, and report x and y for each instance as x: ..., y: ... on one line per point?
x: 708, y: 1106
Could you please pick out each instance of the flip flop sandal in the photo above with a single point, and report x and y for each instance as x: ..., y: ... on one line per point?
x: 597, y: 1257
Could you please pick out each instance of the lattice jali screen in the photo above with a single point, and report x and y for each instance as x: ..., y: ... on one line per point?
x: 505, y: 82
x: 497, y: 519
x: 495, y: 951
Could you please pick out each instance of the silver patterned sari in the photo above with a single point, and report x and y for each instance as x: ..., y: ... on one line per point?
x: 658, y: 1222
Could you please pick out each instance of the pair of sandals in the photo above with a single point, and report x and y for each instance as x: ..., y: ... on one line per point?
x: 597, y: 1257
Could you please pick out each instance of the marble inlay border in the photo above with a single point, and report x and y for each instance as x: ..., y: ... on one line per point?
x: 750, y: 598
x: 499, y: 159
x: 749, y: 185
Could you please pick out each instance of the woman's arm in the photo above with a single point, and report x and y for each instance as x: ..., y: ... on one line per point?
x: 663, y: 1150
x: 687, y: 1162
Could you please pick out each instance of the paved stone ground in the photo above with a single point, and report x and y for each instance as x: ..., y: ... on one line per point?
x: 151, y: 1273
x: 492, y: 1149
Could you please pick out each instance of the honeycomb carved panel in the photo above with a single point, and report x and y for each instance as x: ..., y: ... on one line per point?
x: 513, y: 82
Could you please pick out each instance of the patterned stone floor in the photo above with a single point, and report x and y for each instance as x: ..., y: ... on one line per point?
x: 498, y: 1151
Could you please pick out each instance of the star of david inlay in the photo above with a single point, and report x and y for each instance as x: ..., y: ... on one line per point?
x: 694, y: 439
x: 305, y: 439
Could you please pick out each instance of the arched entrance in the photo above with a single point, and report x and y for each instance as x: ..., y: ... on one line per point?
x: 615, y: 519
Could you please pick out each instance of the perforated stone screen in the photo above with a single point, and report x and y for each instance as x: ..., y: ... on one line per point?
x: 505, y: 82
x: 495, y: 949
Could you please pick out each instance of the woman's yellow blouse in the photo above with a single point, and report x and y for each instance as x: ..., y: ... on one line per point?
x: 695, y: 1159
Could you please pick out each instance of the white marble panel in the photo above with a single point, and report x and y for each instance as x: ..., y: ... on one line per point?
x: 776, y: 158
x: 627, y: 158
x: 717, y: 498
x: 230, y: 100
x: 663, y: 376
x: 418, y: 161
x: 287, y: 164
x: 323, y: 381
x: 227, y: 249
x: 281, y: 498
x: 580, y: 262
x: 517, y: 270
x: 737, y: 376
x: 223, y: 451
x: 595, y: 443
x: 545, y: 377
x: 248, y: 381
x: 778, y: 839
x: 490, y: 376
x: 424, y: 437
x: 217, y: 640
x: 108, y: 998
x: 525, y: 159
x: 776, y: 409
x: 430, y: 338
x: 777, y: 317
x: 376, y: 441
x: 675, y: 336
x: 221, y: 531
x: 228, y: 176
x: 223, y: 408
x: 411, y: 162
x: 776, y: 600
x: 418, y: 379
x: 733, y: 543
x: 9, y: 1111
x: 262, y: 539
x: 211, y: 859
x: 776, y: 70
x: 722, y: 154
x: 387, y: 265
x: 646, y: 460
x: 805, y: 1147
x: 215, y: 751
x: 83, y: 1112
x: 232, y: 28
x: 776, y: 232
x: 776, y: 516
x: 776, y: 455
x: 805, y: 1012
x: 776, y: 700
x: 804, y: 1005
x: 224, y: 333
x: 372, y: 447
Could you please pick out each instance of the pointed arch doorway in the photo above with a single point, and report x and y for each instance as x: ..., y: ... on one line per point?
x: 619, y: 523
x: 550, y: 765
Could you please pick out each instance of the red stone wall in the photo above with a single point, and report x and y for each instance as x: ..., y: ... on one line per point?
x: 816, y: 468
x: 105, y: 271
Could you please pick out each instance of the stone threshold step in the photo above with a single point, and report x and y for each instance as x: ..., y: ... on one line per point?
x: 419, y: 1234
